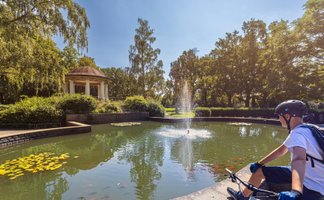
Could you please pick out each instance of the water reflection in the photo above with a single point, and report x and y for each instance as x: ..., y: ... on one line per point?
x: 137, y: 162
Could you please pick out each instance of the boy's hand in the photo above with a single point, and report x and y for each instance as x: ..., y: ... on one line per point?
x: 254, y: 167
x: 290, y: 195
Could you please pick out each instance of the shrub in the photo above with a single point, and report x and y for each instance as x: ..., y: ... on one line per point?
x: 155, y: 109
x: 321, y: 106
x: 243, y: 112
x: 136, y: 104
x: 202, y: 112
x: 109, y: 107
x: 77, y: 103
x: 35, y: 110
x: 3, y: 107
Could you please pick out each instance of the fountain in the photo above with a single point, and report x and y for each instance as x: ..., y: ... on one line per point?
x: 186, y: 134
x: 185, y: 105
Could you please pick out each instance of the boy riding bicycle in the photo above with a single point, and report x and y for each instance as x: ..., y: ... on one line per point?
x: 306, y: 173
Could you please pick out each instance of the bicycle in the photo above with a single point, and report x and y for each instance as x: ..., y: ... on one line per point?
x: 258, y: 193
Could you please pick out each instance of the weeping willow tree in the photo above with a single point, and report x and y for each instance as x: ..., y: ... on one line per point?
x: 30, y: 62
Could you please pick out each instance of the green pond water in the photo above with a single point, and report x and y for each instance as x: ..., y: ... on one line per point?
x: 149, y: 161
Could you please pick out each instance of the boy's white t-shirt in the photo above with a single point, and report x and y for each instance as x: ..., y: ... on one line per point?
x: 314, y: 176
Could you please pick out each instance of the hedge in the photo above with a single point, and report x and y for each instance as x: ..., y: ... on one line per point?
x: 38, y: 112
x: 243, y: 112
x: 29, y: 111
x: 77, y: 104
x: 109, y: 107
x: 140, y: 104
x: 155, y: 109
x: 234, y: 112
x: 202, y: 112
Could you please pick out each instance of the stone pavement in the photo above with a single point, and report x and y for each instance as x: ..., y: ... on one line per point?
x: 218, y: 190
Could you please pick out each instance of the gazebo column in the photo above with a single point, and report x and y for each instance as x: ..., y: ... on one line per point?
x: 106, y: 91
x: 66, y: 88
x: 72, y: 87
x: 98, y: 89
x: 87, y: 87
x: 102, y: 90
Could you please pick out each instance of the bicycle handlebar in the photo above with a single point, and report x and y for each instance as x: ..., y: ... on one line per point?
x: 249, y: 186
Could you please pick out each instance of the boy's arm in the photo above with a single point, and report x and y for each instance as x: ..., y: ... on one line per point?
x: 298, y: 165
x: 278, y: 152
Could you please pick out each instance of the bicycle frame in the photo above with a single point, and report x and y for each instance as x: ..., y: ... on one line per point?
x: 237, y: 180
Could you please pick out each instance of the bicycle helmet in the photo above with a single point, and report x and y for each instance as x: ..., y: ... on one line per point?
x: 294, y: 108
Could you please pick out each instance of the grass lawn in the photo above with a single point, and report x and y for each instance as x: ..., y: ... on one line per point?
x: 171, y: 112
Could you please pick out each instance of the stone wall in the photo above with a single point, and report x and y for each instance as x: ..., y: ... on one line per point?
x: 70, y: 129
x: 219, y: 119
x: 103, y: 118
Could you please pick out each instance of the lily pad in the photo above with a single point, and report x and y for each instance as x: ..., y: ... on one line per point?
x: 124, y: 124
x: 32, y: 164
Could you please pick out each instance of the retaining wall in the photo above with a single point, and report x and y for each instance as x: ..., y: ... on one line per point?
x: 21, y: 137
x: 103, y: 118
x: 219, y: 119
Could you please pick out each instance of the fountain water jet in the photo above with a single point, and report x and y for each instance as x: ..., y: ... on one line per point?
x: 186, y: 134
x: 185, y: 104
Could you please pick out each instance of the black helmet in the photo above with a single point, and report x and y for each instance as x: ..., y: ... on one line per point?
x: 295, y: 108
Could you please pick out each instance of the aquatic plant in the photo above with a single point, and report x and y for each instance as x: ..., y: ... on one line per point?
x: 45, y: 161
x: 123, y: 124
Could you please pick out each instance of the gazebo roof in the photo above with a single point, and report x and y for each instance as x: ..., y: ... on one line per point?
x: 86, y: 71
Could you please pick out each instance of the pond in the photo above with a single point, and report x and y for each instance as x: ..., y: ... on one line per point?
x: 147, y: 161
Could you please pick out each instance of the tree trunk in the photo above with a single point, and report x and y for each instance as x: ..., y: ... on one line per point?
x: 229, y: 100
x: 247, y: 99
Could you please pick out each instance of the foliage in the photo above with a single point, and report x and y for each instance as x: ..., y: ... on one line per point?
x: 136, y: 104
x: 32, y: 111
x: 3, y: 107
x: 63, y: 17
x: 145, y: 66
x: 242, y: 112
x: 260, y: 67
x: 183, y: 115
x: 184, y: 69
x: 155, y: 109
x: 139, y: 104
x: 109, y: 107
x: 70, y: 58
x: 202, y: 112
x: 33, y: 164
x: 120, y: 83
x: 30, y: 62
x: 87, y: 61
x: 78, y: 103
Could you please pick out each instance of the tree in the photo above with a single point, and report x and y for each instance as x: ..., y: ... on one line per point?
x: 46, y: 76
x: 310, y: 52
x: 252, y: 44
x: 119, y: 87
x: 63, y: 17
x: 227, y: 57
x: 279, y: 78
x: 185, y: 69
x: 26, y: 28
x: 167, y: 98
x: 87, y: 61
x: 206, y: 85
x: 70, y: 58
x: 143, y: 58
x: 310, y: 28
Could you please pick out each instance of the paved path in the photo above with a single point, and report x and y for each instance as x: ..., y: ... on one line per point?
x: 6, y: 132
x: 218, y: 190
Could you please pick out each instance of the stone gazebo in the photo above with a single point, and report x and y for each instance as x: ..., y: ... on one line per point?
x: 87, y: 80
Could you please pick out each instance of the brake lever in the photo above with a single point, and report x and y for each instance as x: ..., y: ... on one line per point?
x: 232, y: 175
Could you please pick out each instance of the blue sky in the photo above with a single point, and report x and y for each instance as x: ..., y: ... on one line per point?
x: 178, y: 25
